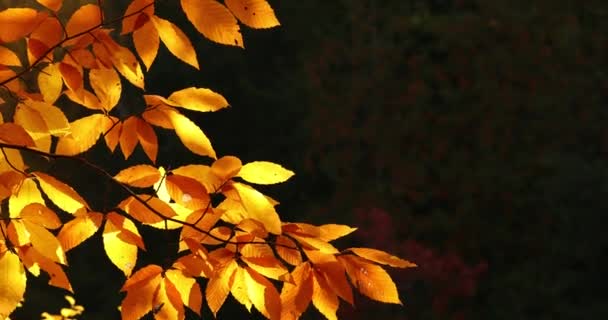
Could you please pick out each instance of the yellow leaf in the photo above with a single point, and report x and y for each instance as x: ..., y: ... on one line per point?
x: 9, y: 58
x: 296, y: 297
x: 258, y: 207
x: 72, y: 77
x: 329, y: 267
x: 264, y: 172
x: 56, y: 122
x: 15, y: 134
x: 146, y: 41
x: 382, y: 257
x: 48, y: 34
x: 147, y: 139
x: 189, y: 290
x: 17, y: 233
x: 198, y: 99
x: 226, y: 167
x: 14, y: 158
x: 371, y: 280
x: 61, y: 194
x: 187, y: 192
x: 121, y: 251
x: 167, y: 304
x: 139, y: 300
x: 106, y: 84
x: 26, y: 194
x: 267, y: 266
x: 141, y: 277
x: 253, y: 13
x: 35, y: 261
x: 54, y: 5
x: 128, y: 136
x: 50, y: 83
x: 84, y: 98
x: 12, y: 283
x: 176, y: 41
x: 87, y: 17
x: 45, y: 242
x: 218, y: 287
x: 34, y: 125
x: 323, y: 297
x: 128, y: 23
x: 155, y: 115
x: 140, y: 176
x: 263, y: 294
x: 39, y: 214
x: 315, y: 243
x: 200, y: 173
x: 330, y: 232
x: 213, y: 20
x: 85, y: 133
x: 121, y: 57
x: 190, y: 134
x: 288, y: 251
x: 77, y: 230
x: 141, y: 213
x: 16, y: 23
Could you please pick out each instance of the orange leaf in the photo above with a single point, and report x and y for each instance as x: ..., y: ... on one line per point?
x: 213, y: 20
x: 324, y: 298
x: 9, y: 58
x: 72, y: 77
x: 263, y: 294
x: 167, y: 302
x: 264, y: 172
x: 45, y: 242
x: 147, y: 139
x: 176, y: 41
x: 187, y: 192
x: 34, y: 125
x: 15, y: 134
x: 288, y: 251
x: 85, y: 133
x: 190, y: 134
x: 106, y: 84
x: 371, y: 280
x: 16, y: 23
x: 141, y: 213
x: 258, y: 207
x: 77, y: 230
x: 87, y: 17
x: 146, y: 41
x: 296, y: 297
x: 239, y: 288
x: 145, y: 6
x: 140, y: 176
x: 200, y: 173
x: 56, y: 122
x: 54, y: 5
x: 26, y: 193
x: 49, y: 33
x: 189, y: 290
x: 253, y: 13
x: 84, y: 98
x: 198, y: 99
x: 141, y: 277
x: 39, y: 214
x: 35, y: 261
x: 113, y: 136
x: 218, y: 286
x: 12, y: 282
x: 139, y: 300
x: 226, y: 167
x: 50, y: 83
x: 61, y: 194
x: 128, y: 136
x: 382, y: 257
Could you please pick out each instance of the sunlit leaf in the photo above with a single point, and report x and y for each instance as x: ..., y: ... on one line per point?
x: 258, y: 207
x: 218, y: 287
x: 16, y: 23
x: 85, y: 133
x: 45, y: 242
x: 72, y: 77
x: 288, y: 251
x: 147, y: 139
x: 50, y: 83
x: 54, y: 5
x: 106, y: 84
x: 188, y: 289
x: 263, y: 294
x: 112, y: 137
x: 167, y: 302
x: 296, y: 297
x: 264, y: 172
x: 198, y: 99
x: 382, y: 257
x: 253, y: 13
x: 12, y: 282
x: 176, y: 41
x: 131, y: 14
x: 324, y: 298
x: 15, y: 134
x: 48, y: 34
x: 226, y: 167
x: 139, y: 300
x: 147, y: 42
x: 77, y: 230
x: 371, y: 280
x: 140, y: 212
x: 85, y: 18
x: 213, y: 20
x: 34, y: 261
x: 140, y: 176
x: 61, y: 194
x: 26, y: 194
x: 55, y: 120
x: 190, y: 134
x: 85, y: 98
x: 9, y: 58
x: 39, y: 214
x: 121, y: 250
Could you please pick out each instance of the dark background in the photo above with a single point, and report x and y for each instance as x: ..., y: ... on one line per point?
x: 467, y: 136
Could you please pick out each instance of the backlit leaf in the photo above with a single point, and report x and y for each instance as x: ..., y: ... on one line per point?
x: 139, y: 300
x: 32, y: 122
x: 121, y: 251
x: 167, y: 302
x: 258, y: 207
x: 324, y: 298
x: 382, y: 257
x: 176, y: 41
x: 34, y: 261
x: 56, y: 122
x: 288, y: 251
x: 16, y: 23
x: 226, y: 167
x: 371, y: 280
x: 263, y: 294
x: 87, y: 17
x: 296, y: 297
x: 26, y: 194
x: 61, y: 194
x: 218, y: 287
x: 198, y: 99
x: 50, y: 83
x: 188, y: 288
x: 145, y: 6
x: 239, y: 288
x: 112, y: 137
x: 9, y: 58
x: 140, y: 212
x: 190, y: 134
x: 140, y: 176
x: 141, y: 276
x: 264, y: 172
x: 77, y: 230
x: 85, y: 133
x: 40, y: 214
x: 253, y: 13
x: 12, y: 282
x: 146, y: 41
x: 45, y: 242
x: 106, y: 84
x: 54, y: 5
x: 147, y: 139
x: 84, y: 98
x: 213, y: 20
x: 15, y: 134
x: 72, y: 77
x: 128, y: 136
x: 48, y: 34
x: 187, y: 192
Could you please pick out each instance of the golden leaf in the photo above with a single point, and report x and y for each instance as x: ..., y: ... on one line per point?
x: 141, y: 213
x: 56, y: 122
x: 239, y: 288
x: 296, y: 297
x: 140, y: 176
x: 167, y: 304
x: 146, y: 41
x: 15, y: 134
x: 288, y: 251
x: 198, y: 99
x: 61, y: 194
x: 39, y: 214
x: 226, y: 167
x: 381, y: 257
x: 264, y: 172
x: 72, y: 77
x: 47, y: 34
x: 139, y: 300
x: 128, y: 136
x: 35, y: 261
x: 218, y: 286
x: 77, y: 230
x: 141, y: 277
x: 121, y: 57
x: 258, y: 207
x: 263, y: 294
x: 112, y: 137
x: 371, y: 280
x: 213, y: 20
x: 45, y: 242
x: 253, y: 13
x: 176, y: 41
x: 187, y: 192
x: 147, y: 139
x: 12, y: 282
x: 323, y: 297
x: 121, y: 250
x: 200, y: 173
x: 54, y: 5
x: 50, y: 83
x: 17, y: 233
x: 25, y: 194
x: 9, y: 58
x: 85, y: 133
x: 329, y: 267
x: 84, y: 98
x: 16, y: 23
x: 87, y: 17
x: 106, y: 84
x: 34, y: 125
x: 144, y: 6
x: 188, y: 289
x: 190, y: 134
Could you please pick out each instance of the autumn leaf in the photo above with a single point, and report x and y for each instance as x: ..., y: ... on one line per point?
x: 34, y: 261
x: 144, y: 6
x: 140, y: 176
x: 139, y: 299
x: 147, y: 139
x: 140, y: 212
x: 54, y: 5
x: 120, y: 241
x: 263, y: 294
x: 16, y: 23
x: 381, y: 257
x: 190, y: 134
x: 79, y: 229
x: 258, y: 207
x: 106, y: 84
x: 147, y: 42
x: 198, y: 99
x: 296, y: 296
x: 188, y: 288
x: 263, y: 172
x: 50, y: 83
x: 61, y: 194
x: 9, y: 58
x: 176, y: 41
x: 324, y: 298
x: 12, y: 282
x: 218, y: 287
x: 15, y: 134
x: 87, y: 17
x: 213, y: 20
x: 26, y: 193
x: 84, y: 134
x: 226, y: 167
x: 253, y: 13
x: 371, y: 280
